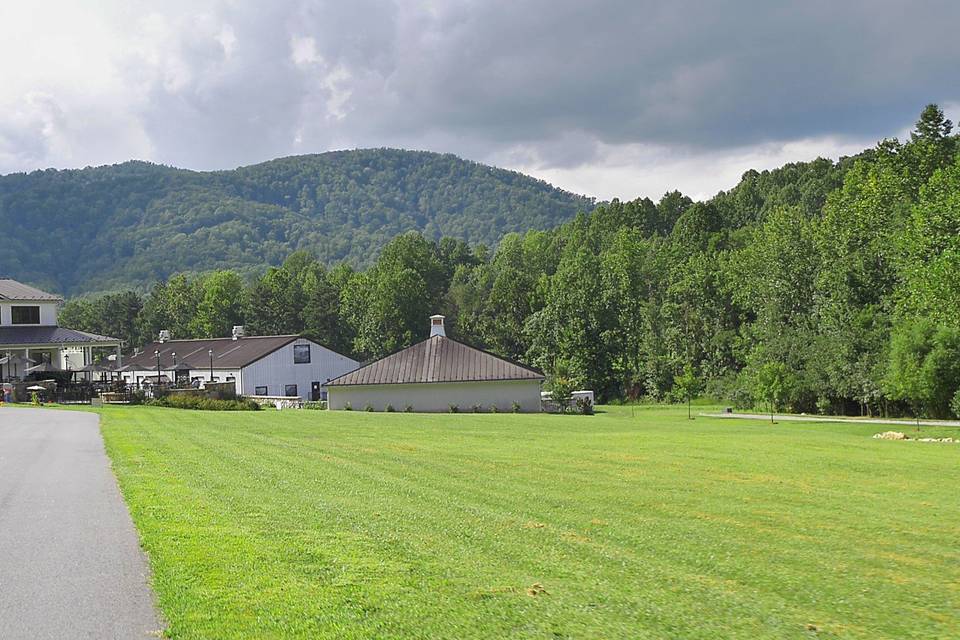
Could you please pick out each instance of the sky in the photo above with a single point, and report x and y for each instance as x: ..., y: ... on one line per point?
x: 606, y: 98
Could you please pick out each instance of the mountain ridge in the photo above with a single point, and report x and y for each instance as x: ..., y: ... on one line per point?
x: 130, y: 224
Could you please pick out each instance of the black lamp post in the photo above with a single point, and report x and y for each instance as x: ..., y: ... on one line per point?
x: 157, y: 353
x: 210, y: 353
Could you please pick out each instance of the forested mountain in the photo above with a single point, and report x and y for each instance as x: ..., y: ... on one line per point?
x: 820, y: 286
x: 104, y: 228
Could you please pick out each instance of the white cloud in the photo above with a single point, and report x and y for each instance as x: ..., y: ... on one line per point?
x: 303, y: 51
x: 633, y: 171
x: 228, y: 40
x: 613, y: 98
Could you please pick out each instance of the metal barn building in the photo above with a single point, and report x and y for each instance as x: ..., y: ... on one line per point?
x: 433, y: 375
x: 288, y: 366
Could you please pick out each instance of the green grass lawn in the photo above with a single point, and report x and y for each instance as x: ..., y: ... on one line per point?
x: 636, y: 523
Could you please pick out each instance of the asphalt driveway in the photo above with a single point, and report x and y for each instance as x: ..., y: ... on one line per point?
x: 70, y: 563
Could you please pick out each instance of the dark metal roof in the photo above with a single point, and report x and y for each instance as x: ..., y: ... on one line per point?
x: 227, y: 353
x: 48, y: 335
x: 13, y: 290
x: 437, y: 359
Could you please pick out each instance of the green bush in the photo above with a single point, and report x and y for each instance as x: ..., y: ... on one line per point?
x: 177, y: 401
x: 477, y: 408
x: 389, y: 408
x: 347, y: 406
x: 494, y: 409
x: 733, y: 388
x: 368, y: 407
x: 408, y: 408
x: 454, y: 409
x: 318, y: 405
x: 955, y: 404
x: 515, y: 407
x: 584, y: 406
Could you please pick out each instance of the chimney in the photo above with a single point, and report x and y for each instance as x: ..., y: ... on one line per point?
x: 436, y: 326
x: 164, y: 335
x: 238, y: 331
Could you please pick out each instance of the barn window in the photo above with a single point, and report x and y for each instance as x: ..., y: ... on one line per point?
x: 290, y: 390
x: 25, y: 315
x: 301, y: 354
x: 260, y: 391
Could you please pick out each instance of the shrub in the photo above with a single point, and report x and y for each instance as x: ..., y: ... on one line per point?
x: 955, y: 404
x: 494, y: 409
x: 389, y: 408
x: 347, y: 406
x: 515, y: 407
x: 368, y: 407
x: 408, y: 408
x: 454, y: 408
x: 477, y: 408
x: 584, y: 406
x: 733, y: 388
x: 318, y: 405
x: 200, y: 403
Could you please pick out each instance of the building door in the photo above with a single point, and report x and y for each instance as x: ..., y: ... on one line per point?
x: 314, y: 391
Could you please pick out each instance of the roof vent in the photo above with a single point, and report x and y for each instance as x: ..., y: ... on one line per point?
x: 238, y: 331
x: 436, y: 326
x: 164, y: 335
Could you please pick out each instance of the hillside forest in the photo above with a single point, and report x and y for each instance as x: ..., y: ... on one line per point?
x: 128, y: 225
x: 829, y: 287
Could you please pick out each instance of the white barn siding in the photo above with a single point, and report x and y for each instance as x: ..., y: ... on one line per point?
x: 438, y: 396
x: 48, y: 312
x: 277, y: 370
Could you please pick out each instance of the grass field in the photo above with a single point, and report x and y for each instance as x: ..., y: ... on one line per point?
x: 358, y: 525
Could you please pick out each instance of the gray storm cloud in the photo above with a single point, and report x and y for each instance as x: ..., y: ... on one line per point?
x: 545, y: 85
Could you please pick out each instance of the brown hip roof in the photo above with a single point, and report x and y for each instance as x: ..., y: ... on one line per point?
x: 437, y: 359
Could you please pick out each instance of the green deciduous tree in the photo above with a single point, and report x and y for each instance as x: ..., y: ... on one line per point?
x: 930, y: 251
x: 770, y: 384
x: 924, y: 366
x: 686, y: 386
x: 220, y: 307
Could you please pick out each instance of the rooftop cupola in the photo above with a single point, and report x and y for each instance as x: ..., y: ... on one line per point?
x: 436, y: 326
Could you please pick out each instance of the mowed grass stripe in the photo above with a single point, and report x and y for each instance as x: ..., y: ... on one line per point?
x: 422, y: 489
x: 303, y: 524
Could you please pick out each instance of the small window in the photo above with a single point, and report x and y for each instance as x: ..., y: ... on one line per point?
x: 260, y: 391
x: 301, y: 354
x: 290, y: 391
x: 25, y: 315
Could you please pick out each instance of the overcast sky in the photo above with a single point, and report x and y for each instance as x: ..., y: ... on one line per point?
x: 610, y: 99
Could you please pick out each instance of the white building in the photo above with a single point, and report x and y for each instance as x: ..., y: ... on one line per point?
x: 437, y: 374
x: 259, y: 365
x: 29, y: 332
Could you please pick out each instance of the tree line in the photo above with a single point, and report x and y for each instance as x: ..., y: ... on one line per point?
x: 829, y: 287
